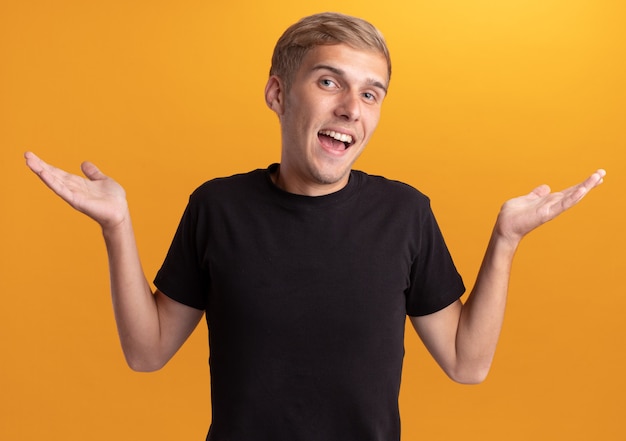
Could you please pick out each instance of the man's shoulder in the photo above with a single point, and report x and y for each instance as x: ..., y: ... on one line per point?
x: 390, y: 188
x: 227, y: 186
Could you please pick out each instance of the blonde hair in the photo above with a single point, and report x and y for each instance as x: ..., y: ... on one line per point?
x: 323, y: 29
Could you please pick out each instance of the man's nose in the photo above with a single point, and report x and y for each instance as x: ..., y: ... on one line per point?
x: 349, y: 107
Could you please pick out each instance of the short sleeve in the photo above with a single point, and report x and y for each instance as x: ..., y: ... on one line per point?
x: 183, y: 277
x: 434, y: 281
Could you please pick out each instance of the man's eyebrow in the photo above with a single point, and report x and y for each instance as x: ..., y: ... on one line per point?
x: 340, y: 72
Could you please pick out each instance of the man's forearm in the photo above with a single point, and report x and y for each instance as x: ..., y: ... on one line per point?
x: 482, y: 315
x: 134, y: 305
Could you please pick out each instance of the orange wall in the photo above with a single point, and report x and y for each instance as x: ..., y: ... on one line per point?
x: 488, y: 99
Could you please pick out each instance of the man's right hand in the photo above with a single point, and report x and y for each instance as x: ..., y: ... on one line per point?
x: 97, y: 195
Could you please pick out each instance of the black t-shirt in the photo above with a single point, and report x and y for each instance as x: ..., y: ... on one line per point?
x: 306, y: 300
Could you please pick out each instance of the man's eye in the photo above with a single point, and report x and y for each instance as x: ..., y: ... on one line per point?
x: 327, y: 83
x: 369, y: 96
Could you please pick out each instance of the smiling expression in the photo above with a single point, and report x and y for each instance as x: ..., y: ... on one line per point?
x: 327, y: 116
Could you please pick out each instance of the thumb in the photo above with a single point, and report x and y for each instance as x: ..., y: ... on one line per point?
x: 92, y: 172
x: 541, y: 191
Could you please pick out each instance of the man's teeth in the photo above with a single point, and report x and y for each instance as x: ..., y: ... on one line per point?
x: 338, y: 136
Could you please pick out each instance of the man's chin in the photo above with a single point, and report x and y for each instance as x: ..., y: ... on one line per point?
x: 332, y: 178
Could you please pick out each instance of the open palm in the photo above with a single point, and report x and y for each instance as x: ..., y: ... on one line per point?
x: 97, y: 195
x: 521, y: 215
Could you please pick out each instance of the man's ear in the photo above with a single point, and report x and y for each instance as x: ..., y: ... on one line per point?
x: 275, y: 94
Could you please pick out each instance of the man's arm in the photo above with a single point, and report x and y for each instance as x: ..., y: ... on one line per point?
x: 152, y: 327
x: 462, y: 337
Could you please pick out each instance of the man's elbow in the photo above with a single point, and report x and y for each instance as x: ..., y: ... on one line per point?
x: 144, y: 364
x: 469, y: 375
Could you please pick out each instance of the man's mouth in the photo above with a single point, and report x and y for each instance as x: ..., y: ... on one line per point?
x: 338, y: 140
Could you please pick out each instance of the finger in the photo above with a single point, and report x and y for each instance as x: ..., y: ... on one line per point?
x: 92, y: 172
x: 45, y: 171
x: 540, y: 191
x: 41, y: 167
x: 59, y: 181
x: 574, y: 194
x: 595, y: 179
x: 33, y: 162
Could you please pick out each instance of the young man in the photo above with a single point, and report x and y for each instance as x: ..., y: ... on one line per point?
x: 307, y: 270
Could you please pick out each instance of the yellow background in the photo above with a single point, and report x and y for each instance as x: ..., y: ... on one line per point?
x: 488, y: 99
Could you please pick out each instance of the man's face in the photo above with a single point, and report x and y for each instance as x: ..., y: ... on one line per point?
x: 328, y: 116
